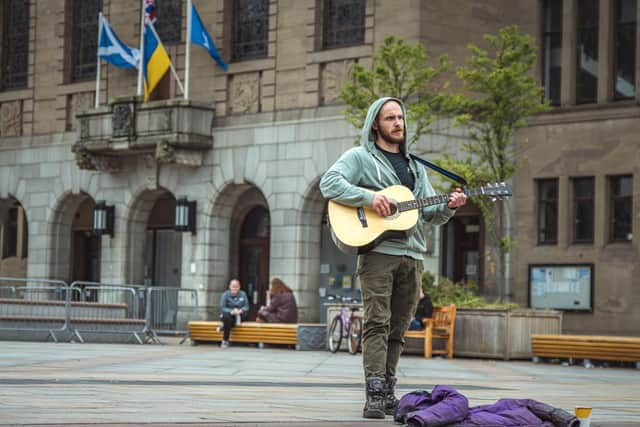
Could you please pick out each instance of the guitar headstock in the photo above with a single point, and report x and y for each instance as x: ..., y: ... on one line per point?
x: 495, y: 191
x: 498, y: 191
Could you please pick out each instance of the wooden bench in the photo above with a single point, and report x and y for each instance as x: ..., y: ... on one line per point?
x: 439, y: 327
x: 246, y: 332
x: 612, y: 348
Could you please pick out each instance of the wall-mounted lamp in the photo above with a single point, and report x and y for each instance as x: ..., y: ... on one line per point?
x: 103, y: 219
x: 185, y: 215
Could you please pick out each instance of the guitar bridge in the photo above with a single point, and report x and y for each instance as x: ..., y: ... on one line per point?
x: 362, y: 217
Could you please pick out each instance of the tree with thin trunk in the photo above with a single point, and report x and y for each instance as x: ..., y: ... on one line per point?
x: 500, y: 93
x: 403, y: 71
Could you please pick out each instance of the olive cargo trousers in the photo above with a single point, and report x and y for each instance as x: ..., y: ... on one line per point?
x: 390, y: 291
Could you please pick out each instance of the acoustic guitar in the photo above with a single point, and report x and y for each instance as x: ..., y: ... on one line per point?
x: 359, y: 230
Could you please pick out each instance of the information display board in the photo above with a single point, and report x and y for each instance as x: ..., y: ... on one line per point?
x: 561, y: 286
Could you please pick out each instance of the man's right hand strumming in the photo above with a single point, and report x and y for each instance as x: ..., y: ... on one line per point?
x: 381, y: 205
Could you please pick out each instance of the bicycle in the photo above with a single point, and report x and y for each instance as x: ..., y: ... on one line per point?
x: 347, y: 326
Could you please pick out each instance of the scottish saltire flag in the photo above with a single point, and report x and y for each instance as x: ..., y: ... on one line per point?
x: 150, y: 10
x: 200, y: 36
x: 156, y: 61
x: 112, y: 50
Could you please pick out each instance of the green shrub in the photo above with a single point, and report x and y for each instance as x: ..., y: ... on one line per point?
x: 462, y: 294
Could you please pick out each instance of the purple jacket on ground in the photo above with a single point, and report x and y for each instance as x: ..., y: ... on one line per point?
x: 445, y: 406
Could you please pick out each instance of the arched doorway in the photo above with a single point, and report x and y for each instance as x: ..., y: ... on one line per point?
x: 254, y: 257
x: 14, y: 239
x: 85, y: 247
x: 163, y: 245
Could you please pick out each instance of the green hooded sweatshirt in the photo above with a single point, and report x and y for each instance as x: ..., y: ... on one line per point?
x: 364, y: 169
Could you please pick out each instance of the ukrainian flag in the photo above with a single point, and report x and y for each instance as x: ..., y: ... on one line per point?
x: 156, y: 61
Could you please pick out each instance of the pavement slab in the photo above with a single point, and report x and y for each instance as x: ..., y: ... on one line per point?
x: 113, y: 385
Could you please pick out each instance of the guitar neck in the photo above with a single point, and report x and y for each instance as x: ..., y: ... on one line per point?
x: 435, y: 200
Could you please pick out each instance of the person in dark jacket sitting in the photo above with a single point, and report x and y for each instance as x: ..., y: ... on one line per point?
x: 234, y: 307
x: 424, y: 310
x: 282, y: 306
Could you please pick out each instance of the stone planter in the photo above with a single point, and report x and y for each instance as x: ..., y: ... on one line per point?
x: 501, y: 333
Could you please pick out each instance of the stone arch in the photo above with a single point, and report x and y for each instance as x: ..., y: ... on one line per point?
x: 310, y: 222
x: 13, y: 253
x: 59, y: 234
x: 135, y: 229
x: 230, y: 206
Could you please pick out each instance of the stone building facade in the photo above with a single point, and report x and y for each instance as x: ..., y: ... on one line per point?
x: 251, y: 144
x: 576, y: 206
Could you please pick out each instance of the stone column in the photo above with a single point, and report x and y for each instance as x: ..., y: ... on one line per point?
x: 600, y: 213
x: 564, y: 211
x: 637, y: 79
x: 568, y: 79
x: 605, y: 51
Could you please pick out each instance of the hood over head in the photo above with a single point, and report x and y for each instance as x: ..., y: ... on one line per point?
x: 367, y: 135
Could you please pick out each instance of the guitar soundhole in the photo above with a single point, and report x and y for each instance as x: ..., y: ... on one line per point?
x: 394, y: 209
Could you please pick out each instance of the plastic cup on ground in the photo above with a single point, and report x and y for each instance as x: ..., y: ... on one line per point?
x: 583, y: 413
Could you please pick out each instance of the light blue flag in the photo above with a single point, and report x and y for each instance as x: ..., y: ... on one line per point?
x: 200, y: 36
x: 112, y: 50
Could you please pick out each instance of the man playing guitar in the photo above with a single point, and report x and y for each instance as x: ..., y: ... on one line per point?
x: 390, y: 275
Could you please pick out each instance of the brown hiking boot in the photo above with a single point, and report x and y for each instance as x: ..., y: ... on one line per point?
x: 375, y: 404
x: 390, y: 399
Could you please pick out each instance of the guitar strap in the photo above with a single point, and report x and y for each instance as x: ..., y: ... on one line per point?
x: 438, y: 169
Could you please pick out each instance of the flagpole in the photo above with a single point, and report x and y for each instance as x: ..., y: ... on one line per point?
x: 140, y: 65
x: 173, y: 70
x: 97, y: 104
x: 188, y: 49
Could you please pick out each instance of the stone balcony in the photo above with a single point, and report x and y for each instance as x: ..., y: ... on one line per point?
x: 173, y: 131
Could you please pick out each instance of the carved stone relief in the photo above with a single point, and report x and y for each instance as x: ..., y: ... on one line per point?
x: 244, y: 93
x: 11, y: 118
x: 77, y: 103
x: 122, y: 120
x: 88, y: 161
x: 332, y: 78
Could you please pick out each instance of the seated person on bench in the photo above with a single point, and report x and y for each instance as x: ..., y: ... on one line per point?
x: 234, y: 307
x: 424, y: 310
x: 282, y: 306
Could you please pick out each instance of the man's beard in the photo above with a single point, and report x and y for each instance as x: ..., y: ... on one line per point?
x: 390, y: 138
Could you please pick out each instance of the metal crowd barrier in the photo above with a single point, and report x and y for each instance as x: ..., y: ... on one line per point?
x: 168, y: 311
x: 55, y: 307
x: 106, y: 308
x: 7, y: 291
x: 35, y: 305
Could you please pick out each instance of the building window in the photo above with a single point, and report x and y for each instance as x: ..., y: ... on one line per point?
x: 250, y: 29
x: 583, y: 208
x: 343, y: 23
x: 587, y: 52
x: 15, y: 44
x: 620, y: 207
x: 547, y: 211
x: 625, y: 49
x: 552, y: 50
x: 169, y: 21
x: 84, y: 38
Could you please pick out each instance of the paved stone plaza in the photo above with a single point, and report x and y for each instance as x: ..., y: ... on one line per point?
x: 109, y: 384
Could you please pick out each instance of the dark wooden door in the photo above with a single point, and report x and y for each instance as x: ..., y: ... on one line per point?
x: 462, y: 241
x: 254, y: 258
x: 86, y: 261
